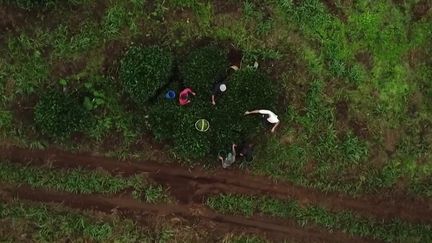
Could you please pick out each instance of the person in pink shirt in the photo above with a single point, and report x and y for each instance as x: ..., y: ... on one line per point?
x: 184, y: 96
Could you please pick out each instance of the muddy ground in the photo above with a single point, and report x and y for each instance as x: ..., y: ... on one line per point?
x: 192, y: 185
x: 273, y: 228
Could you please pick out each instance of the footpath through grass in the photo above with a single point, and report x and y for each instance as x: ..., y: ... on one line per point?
x: 389, y: 231
x: 82, y: 181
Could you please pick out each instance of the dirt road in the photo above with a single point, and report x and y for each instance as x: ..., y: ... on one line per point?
x: 191, y: 185
x: 273, y: 228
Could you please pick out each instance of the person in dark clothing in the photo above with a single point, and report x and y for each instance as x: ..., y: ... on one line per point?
x: 246, y: 151
x: 219, y: 86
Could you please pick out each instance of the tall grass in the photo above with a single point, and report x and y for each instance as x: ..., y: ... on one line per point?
x: 389, y: 231
x: 81, y: 181
x: 48, y: 224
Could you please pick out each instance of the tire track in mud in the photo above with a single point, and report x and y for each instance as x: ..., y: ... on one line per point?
x: 273, y: 228
x: 192, y: 185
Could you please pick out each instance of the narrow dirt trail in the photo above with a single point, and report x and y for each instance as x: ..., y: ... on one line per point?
x: 192, y: 185
x: 273, y: 228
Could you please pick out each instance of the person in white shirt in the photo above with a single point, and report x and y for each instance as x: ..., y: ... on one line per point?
x: 270, y: 117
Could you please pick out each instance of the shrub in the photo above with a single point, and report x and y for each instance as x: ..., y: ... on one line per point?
x: 192, y: 144
x: 144, y: 71
x: 189, y: 142
x: 201, y: 67
x: 169, y: 121
x: 163, y: 119
x: 58, y: 115
x: 247, y: 89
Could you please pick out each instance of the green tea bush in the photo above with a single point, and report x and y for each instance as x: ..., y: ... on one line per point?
x: 58, y: 115
x: 144, y: 71
x: 189, y: 142
x: 247, y: 89
x: 201, y: 67
x: 163, y: 118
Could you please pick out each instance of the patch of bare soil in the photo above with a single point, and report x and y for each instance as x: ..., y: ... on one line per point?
x: 331, y: 5
x: 63, y: 69
x: 12, y: 18
x: 416, y: 56
x: 273, y: 228
x: 227, y: 6
x: 359, y: 128
x: 366, y: 59
x: 342, y: 111
x: 414, y: 104
x: 198, y: 183
x: 23, y: 108
x: 113, y: 52
x: 421, y: 9
x: 379, y: 158
x: 235, y: 56
x: 391, y: 140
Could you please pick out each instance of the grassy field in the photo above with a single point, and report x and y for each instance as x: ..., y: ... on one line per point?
x: 83, y: 181
x: 389, y: 231
x: 44, y: 223
x: 354, y: 96
x: 23, y: 221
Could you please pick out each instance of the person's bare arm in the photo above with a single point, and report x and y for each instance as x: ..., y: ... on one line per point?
x: 213, y: 100
x: 234, y: 67
x: 191, y: 92
x: 274, y: 127
x: 252, y: 112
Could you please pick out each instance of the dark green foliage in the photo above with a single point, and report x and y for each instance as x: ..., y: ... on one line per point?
x: 144, y: 70
x: 189, y: 142
x: 169, y: 121
x: 58, y: 115
x: 163, y: 117
x: 247, y: 89
x: 201, y: 68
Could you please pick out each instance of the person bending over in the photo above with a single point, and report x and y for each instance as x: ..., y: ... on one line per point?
x: 270, y: 116
x: 184, y: 96
x: 230, y: 158
x: 219, y: 86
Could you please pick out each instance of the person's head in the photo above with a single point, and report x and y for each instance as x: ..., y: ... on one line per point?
x: 222, y: 87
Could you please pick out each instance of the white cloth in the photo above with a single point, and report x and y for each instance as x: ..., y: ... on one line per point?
x: 273, y: 118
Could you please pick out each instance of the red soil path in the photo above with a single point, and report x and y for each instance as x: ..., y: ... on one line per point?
x: 191, y: 185
x: 273, y: 228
